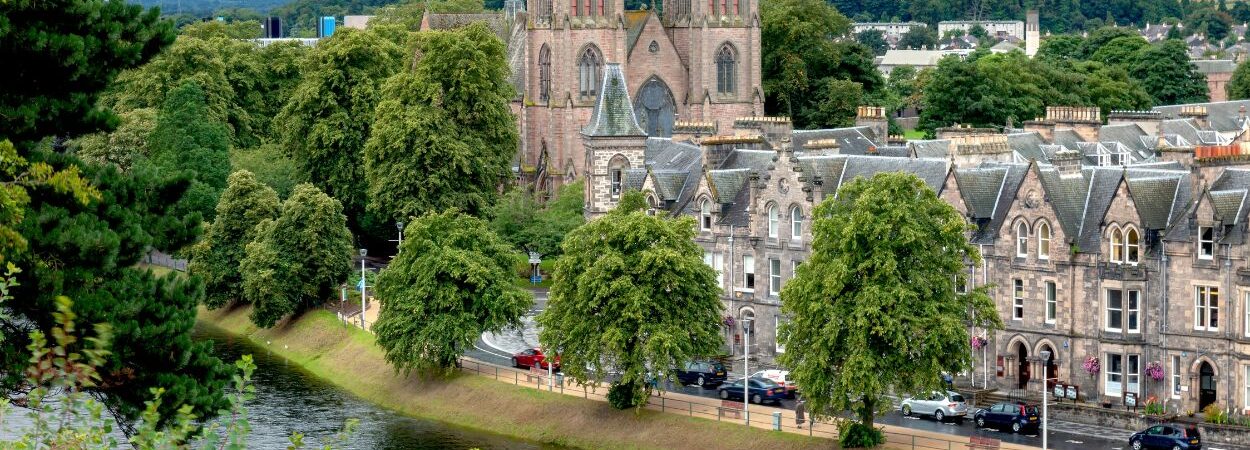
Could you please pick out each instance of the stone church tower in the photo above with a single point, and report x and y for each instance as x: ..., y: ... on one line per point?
x: 613, y: 141
x: 699, y: 60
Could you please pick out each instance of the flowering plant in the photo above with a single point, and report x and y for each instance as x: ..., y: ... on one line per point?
x: 1154, y: 369
x: 978, y: 342
x: 1091, y: 365
x: 728, y: 321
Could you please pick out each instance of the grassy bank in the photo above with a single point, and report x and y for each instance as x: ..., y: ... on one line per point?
x: 322, y: 345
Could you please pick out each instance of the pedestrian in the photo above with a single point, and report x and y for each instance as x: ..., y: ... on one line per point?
x: 799, y: 409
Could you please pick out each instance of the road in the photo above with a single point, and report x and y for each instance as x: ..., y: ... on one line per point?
x: 498, y: 349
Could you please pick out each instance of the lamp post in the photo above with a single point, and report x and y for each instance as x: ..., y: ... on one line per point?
x: 400, y: 243
x: 362, y: 289
x: 746, y: 373
x: 1045, y: 354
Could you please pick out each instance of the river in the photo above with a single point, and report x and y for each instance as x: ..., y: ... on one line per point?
x: 288, y: 399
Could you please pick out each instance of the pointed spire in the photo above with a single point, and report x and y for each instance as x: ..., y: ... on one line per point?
x: 614, y: 112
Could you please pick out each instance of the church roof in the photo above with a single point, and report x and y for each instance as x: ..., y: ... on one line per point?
x: 614, y: 112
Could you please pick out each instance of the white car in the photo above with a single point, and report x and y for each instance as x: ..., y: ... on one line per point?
x: 781, y: 377
x: 940, y: 405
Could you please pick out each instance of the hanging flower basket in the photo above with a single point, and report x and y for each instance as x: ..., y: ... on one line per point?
x: 1092, y: 365
x: 728, y: 321
x: 978, y: 342
x: 1154, y: 370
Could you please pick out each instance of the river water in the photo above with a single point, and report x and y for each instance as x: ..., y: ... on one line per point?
x: 289, y: 399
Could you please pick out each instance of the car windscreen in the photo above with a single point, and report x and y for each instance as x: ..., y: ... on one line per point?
x: 1030, y: 410
x: 718, y: 367
x: 957, y: 398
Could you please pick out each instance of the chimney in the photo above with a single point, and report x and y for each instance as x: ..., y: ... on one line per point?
x: 874, y: 118
x: 1196, y: 112
x: 1148, y: 120
x: 1067, y: 162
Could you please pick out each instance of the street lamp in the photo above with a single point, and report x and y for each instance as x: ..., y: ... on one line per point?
x: 400, y: 243
x: 1045, y: 354
x: 746, y: 373
x: 362, y: 289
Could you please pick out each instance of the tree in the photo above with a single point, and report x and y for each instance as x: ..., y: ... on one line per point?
x: 298, y: 260
x: 408, y: 14
x: 874, y: 40
x: 836, y: 104
x: 979, y: 32
x: 216, y: 258
x: 270, y: 166
x: 1120, y: 51
x: 1111, y: 88
x: 125, y: 146
x: 1214, y: 24
x: 60, y: 54
x: 632, y: 294
x: 874, y: 309
x: 451, y: 281
x: 1165, y: 72
x: 918, y: 38
x: 903, y: 88
x: 1103, y: 36
x: 188, y: 139
x: 1239, y: 86
x: 325, y: 124
x: 519, y: 219
x: 989, y: 89
x: 448, y: 123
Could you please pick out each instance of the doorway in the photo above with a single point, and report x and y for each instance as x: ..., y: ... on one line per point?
x: 1050, y: 370
x: 1206, y: 385
x: 1022, y: 355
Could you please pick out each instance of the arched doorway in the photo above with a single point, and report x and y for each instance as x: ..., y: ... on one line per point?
x: 744, y: 315
x: 1022, y: 358
x: 655, y: 108
x: 1206, y: 385
x: 1050, y: 370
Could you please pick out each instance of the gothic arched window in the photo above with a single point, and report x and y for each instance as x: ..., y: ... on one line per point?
x: 589, y: 69
x: 544, y: 74
x: 726, y: 70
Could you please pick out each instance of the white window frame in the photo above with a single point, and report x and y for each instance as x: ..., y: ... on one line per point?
x: 774, y: 277
x: 1022, y: 240
x: 1132, y: 245
x: 1245, y: 383
x: 1114, y: 309
x: 1114, y: 388
x: 796, y: 223
x: 1176, y: 376
x: 1206, y: 242
x: 1245, y: 306
x: 1206, y: 302
x: 1043, y: 241
x: 1017, y: 295
x: 772, y: 222
x: 1116, y: 253
x: 1132, y: 311
x: 705, y: 215
x: 1052, y: 301
x: 748, y: 273
x: 1132, y: 373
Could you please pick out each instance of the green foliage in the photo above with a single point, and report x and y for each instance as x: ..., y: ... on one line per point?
x: 299, y: 17
x: 626, y: 395
x: 800, y: 56
x: 60, y: 54
x: 990, y: 89
x: 17, y: 176
x: 217, y: 256
x: 631, y: 293
x: 1103, y: 36
x: 1167, y: 75
x: 978, y: 31
x: 1239, y: 86
x: 1120, y: 51
x: 874, y: 40
x: 1111, y: 88
x: 446, y: 123
x: 187, y: 140
x: 298, y: 260
x: 837, y: 103
x: 325, y: 124
x: 1214, y: 24
x: 235, y: 29
x: 918, y: 38
x: 632, y: 201
x: 874, y: 310
x: 125, y: 146
x: 858, y: 435
x: 407, y: 14
x: 1063, y: 47
x: 451, y: 281
x: 270, y: 166
x: 528, y: 226
x: 1213, y: 413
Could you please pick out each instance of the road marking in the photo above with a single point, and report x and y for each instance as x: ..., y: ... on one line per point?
x: 491, y: 352
x: 1074, y: 442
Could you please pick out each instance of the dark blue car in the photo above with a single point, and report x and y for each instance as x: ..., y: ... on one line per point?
x: 1168, y: 436
x: 702, y: 373
x: 1015, y: 416
x: 762, y: 390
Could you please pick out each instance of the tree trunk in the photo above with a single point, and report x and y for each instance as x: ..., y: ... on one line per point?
x: 868, y: 412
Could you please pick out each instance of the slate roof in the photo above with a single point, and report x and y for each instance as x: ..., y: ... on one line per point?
x: 1221, y: 116
x: 726, y: 184
x: 1153, y: 196
x: 634, y: 178
x: 668, y: 183
x: 980, y: 187
x: 851, y: 140
x: 1210, y: 66
x: 758, y: 160
x: 935, y: 148
x: 1228, y: 204
x: 1067, y: 195
x: 614, y: 113
x: 1129, y: 135
x: 635, y: 21
x: 1027, y: 145
x: 1184, y: 128
x: 1067, y: 138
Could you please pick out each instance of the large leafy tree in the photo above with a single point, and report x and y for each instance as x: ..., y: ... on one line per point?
x: 918, y: 38
x: 124, y: 147
x: 1239, y: 86
x: 216, y: 257
x: 408, y: 13
x: 444, y: 135
x: 1120, y: 51
x: 271, y: 166
x: 874, y: 311
x: 188, y: 139
x: 451, y: 281
x: 632, y: 294
x: 521, y: 221
x: 326, y: 122
x: 60, y: 54
x: 1063, y: 47
x: 874, y: 40
x: 298, y: 260
x: 1165, y: 71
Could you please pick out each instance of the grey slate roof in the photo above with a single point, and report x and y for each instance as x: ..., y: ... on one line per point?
x: 1228, y: 204
x: 726, y: 184
x: 1027, y: 145
x: 934, y: 148
x: 1222, y: 116
x: 1128, y: 135
x: 614, y: 112
x: 669, y: 183
x: 980, y: 188
x: 1067, y: 196
x: 1067, y: 138
x: 932, y: 171
x: 634, y: 178
x: 1153, y: 198
x: 1184, y: 128
x: 758, y: 160
x: 852, y: 140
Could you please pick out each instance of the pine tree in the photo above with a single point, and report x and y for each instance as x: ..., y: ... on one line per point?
x: 188, y: 140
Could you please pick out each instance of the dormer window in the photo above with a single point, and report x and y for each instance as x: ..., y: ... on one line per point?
x: 1206, y: 242
x: 1132, y: 246
x: 705, y: 215
x: 1117, y: 245
x: 1022, y: 240
x: 1043, y: 241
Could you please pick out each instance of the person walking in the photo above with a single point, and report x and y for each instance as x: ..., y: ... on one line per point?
x: 800, y: 409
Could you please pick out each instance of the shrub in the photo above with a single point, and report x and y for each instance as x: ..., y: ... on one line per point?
x: 1154, y: 407
x: 621, y: 396
x: 858, y: 435
x: 1215, y: 415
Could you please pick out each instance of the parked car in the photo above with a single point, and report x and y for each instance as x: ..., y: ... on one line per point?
x: 781, y: 377
x: 940, y: 405
x: 533, y: 357
x: 702, y: 373
x: 1016, y: 416
x: 1168, y: 436
x: 762, y: 390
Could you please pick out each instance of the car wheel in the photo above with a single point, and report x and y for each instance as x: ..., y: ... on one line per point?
x: 724, y: 395
x: 939, y: 415
x: 1176, y: 447
x: 1015, y: 427
x: 515, y: 363
x: 906, y: 410
x: 980, y: 422
x: 699, y: 382
x: 756, y: 399
x: 1136, y: 444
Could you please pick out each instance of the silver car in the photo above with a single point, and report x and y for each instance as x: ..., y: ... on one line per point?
x: 940, y: 405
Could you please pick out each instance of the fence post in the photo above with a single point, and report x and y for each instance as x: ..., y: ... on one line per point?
x: 691, y: 405
x: 496, y: 373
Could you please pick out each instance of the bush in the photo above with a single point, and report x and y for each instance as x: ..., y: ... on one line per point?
x: 621, y: 396
x: 858, y: 435
x: 1215, y: 415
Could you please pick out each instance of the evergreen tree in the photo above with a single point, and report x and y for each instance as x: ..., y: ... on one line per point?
x: 188, y: 139
x: 1165, y: 71
x: 216, y: 258
x: 298, y: 260
x: 451, y: 281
